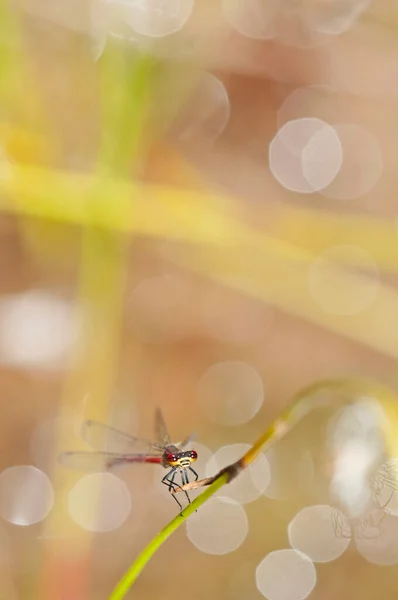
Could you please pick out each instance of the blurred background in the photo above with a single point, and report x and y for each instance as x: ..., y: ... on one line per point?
x: 198, y: 212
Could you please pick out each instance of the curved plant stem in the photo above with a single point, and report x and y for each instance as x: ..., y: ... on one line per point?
x: 303, y: 403
x: 134, y: 571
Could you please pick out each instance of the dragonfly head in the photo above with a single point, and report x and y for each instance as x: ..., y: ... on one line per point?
x: 182, y: 459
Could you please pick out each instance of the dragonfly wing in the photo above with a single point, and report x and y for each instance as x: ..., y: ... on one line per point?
x: 187, y: 442
x: 386, y: 475
x: 94, y: 462
x: 91, y: 462
x: 340, y: 524
x: 105, y: 438
x: 370, y: 526
x: 161, y: 430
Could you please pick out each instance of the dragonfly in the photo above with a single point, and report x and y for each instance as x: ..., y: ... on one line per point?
x: 114, y: 448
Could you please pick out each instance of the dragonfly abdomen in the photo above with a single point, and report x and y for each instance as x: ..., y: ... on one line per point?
x: 156, y: 460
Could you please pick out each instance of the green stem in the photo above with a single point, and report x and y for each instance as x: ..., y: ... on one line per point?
x: 292, y: 415
x: 303, y: 402
x: 134, y: 571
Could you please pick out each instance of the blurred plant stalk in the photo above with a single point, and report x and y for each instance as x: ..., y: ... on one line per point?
x: 212, y: 240
x: 125, y: 83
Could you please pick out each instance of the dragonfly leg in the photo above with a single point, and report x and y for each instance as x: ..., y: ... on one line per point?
x: 195, y: 473
x: 187, y: 480
x: 184, y: 479
x: 169, y: 481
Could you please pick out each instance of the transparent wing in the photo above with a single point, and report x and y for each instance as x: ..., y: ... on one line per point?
x: 386, y: 476
x: 187, y: 442
x: 105, y: 438
x: 340, y: 524
x: 94, y: 462
x: 370, y: 526
x: 161, y: 430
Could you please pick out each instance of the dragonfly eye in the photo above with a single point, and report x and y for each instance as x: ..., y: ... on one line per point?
x: 193, y: 454
x: 171, y: 458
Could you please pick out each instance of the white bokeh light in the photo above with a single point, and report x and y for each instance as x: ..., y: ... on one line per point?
x: 294, y: 28
x: 309, y: 100
x: 230, y: 392
x: 362, y: 164
x: 290, y: 24
x: 311, y: 532
x: 110, y: 20
x: 36, y: 330
x: 220, y: 526
x: 288, y: 474
x: 99, y: 502
x: 361, y: 420
x: 357, y: 447
x: 207, y: 112
x: 291, y: 151
x: 383, y: 548
x: 275, y: 489
x: 296, y: 134
x: 252, y: 18
x: 26, y: 495
x: 286, y: 575
x: 335, y: 17
x: 350, y: 481
x: 321, y: 158
x: 342, y: 291
x: 154, y: 18
x: 251, y: 483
